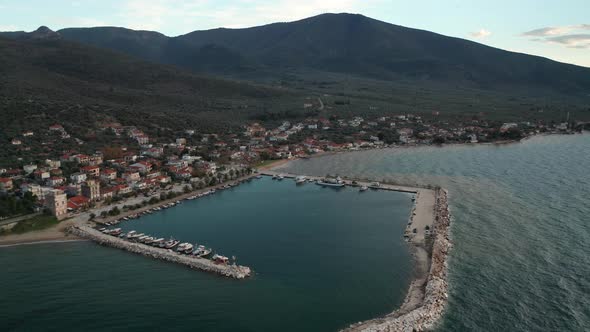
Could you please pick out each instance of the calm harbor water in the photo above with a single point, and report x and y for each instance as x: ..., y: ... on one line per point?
x: 521, y: 227
x: 323, y: 258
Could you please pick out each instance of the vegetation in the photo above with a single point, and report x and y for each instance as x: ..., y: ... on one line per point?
x: 12, y: 206
x: 34, y: 224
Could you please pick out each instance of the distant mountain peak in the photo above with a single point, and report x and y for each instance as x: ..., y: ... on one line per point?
x: 44, y: 32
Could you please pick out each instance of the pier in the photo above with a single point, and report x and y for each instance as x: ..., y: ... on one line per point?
x: 227, y: 270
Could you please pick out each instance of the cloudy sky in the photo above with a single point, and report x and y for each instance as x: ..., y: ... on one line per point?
x: 558, y: 30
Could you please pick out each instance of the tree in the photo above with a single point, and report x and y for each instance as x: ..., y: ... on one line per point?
x: 92, y: 216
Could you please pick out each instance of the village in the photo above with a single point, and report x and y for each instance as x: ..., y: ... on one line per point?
x: 133, y: 163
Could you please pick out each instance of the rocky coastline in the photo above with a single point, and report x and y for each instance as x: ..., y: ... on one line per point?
x: 424, y: 316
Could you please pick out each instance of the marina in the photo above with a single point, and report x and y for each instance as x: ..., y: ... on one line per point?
x: 112, y: 239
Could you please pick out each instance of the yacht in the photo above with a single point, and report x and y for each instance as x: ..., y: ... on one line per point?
x: 171, y: 243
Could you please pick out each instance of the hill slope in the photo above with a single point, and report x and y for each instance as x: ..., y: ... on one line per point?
x: 63, y: 81
x: 344, y: 43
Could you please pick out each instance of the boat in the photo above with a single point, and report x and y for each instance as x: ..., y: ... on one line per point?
x: 184, y: 247
x: 171, y: 244
x: 205, y: 252
x: 157, y: 242
x: 280, y: 177
x: 331, y: 182
x: 375, y: 185
x: 220, y: 259
x: 300, y: 179
x: 115, y: 232
x: 130, y: 234
x: 259, y: 176
x: 363, y: 188
x: 274, y: 177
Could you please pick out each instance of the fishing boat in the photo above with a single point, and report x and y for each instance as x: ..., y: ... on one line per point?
x: 280, y: 177
x: 300, y: 179
x: 171, y: 244
x: 115, y: 232
x: 157, y: 242
x: 130, y: 234
x: 205, y: 252
x: 363, y: 188
x: 220, y: 259
x: 184, y: 247
x: 331, y: 182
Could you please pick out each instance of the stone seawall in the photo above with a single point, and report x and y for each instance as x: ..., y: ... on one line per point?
x: 232, y: 271
x: 430, y: 310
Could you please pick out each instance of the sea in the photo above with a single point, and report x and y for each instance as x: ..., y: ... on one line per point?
x: 520, y: 227
x: 322, y: 258
x: 325, y: 258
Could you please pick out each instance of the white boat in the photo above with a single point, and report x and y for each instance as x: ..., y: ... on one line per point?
x: 300, y: 179
x: 331, y: 182
x: 364, y: 188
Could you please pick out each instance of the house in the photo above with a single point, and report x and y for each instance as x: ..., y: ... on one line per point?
x: 93, y: 171
x: 108, y: 192
x: 123, y: 189
x: 131, y: 177
x: 142, y: 167
x: 91, y: 190
x: 41, y: 175
x: 5, y: 184
x: 78, y: 203
x: 56, y: 127
x: 34, y: 189
x: 78, y: 177
x: 80, y: 158
x: 53, y: 163
x: 108, y: 174
x: 508, y: 126
x: 29, y: 168
x: 55, y: 181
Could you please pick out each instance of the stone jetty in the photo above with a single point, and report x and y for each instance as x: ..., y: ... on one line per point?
x: 232, y: 271
x: 429, y: 310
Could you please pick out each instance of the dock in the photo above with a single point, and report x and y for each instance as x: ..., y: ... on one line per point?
x: 226, y: 270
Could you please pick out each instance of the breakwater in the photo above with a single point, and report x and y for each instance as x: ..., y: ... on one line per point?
x: 425, y: 314
x: 227, y: 270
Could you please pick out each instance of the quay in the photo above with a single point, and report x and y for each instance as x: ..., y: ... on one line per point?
x: 227, y: 270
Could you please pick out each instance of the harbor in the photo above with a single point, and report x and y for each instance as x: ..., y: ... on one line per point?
x: 218, y: 266
x: 427, y: 233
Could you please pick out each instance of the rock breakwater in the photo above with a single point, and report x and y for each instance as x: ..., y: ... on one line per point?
x: 232, y: 271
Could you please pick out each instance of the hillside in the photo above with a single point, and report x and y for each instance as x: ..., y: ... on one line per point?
x: 57, y: 72
x: 345, y: 44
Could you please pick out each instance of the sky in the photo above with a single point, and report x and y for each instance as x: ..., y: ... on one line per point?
x: 558, y: 30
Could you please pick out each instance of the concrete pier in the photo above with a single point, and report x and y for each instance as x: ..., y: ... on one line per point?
x: 232, y: 271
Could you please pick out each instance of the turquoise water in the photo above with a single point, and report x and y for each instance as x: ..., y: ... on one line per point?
x: 521, y: 227
x: 323, y: 258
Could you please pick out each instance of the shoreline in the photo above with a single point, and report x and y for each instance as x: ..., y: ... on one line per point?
x: 59, y: 231
x: 426, y: 297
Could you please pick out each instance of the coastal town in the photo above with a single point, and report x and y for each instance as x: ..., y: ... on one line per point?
x: 62, y: 175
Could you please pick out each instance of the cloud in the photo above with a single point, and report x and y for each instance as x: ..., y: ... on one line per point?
x: 571, y: 36
x: 8, y: 28
x: 482, y: 33
x: 555, y: 31
x: 573, y: 41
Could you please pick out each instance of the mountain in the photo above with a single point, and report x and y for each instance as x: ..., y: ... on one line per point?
x: 44, y: 76
x: 344, y: 44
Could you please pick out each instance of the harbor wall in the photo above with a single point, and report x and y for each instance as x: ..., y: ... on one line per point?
x: 232, y: 271
x: 426, y: 315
